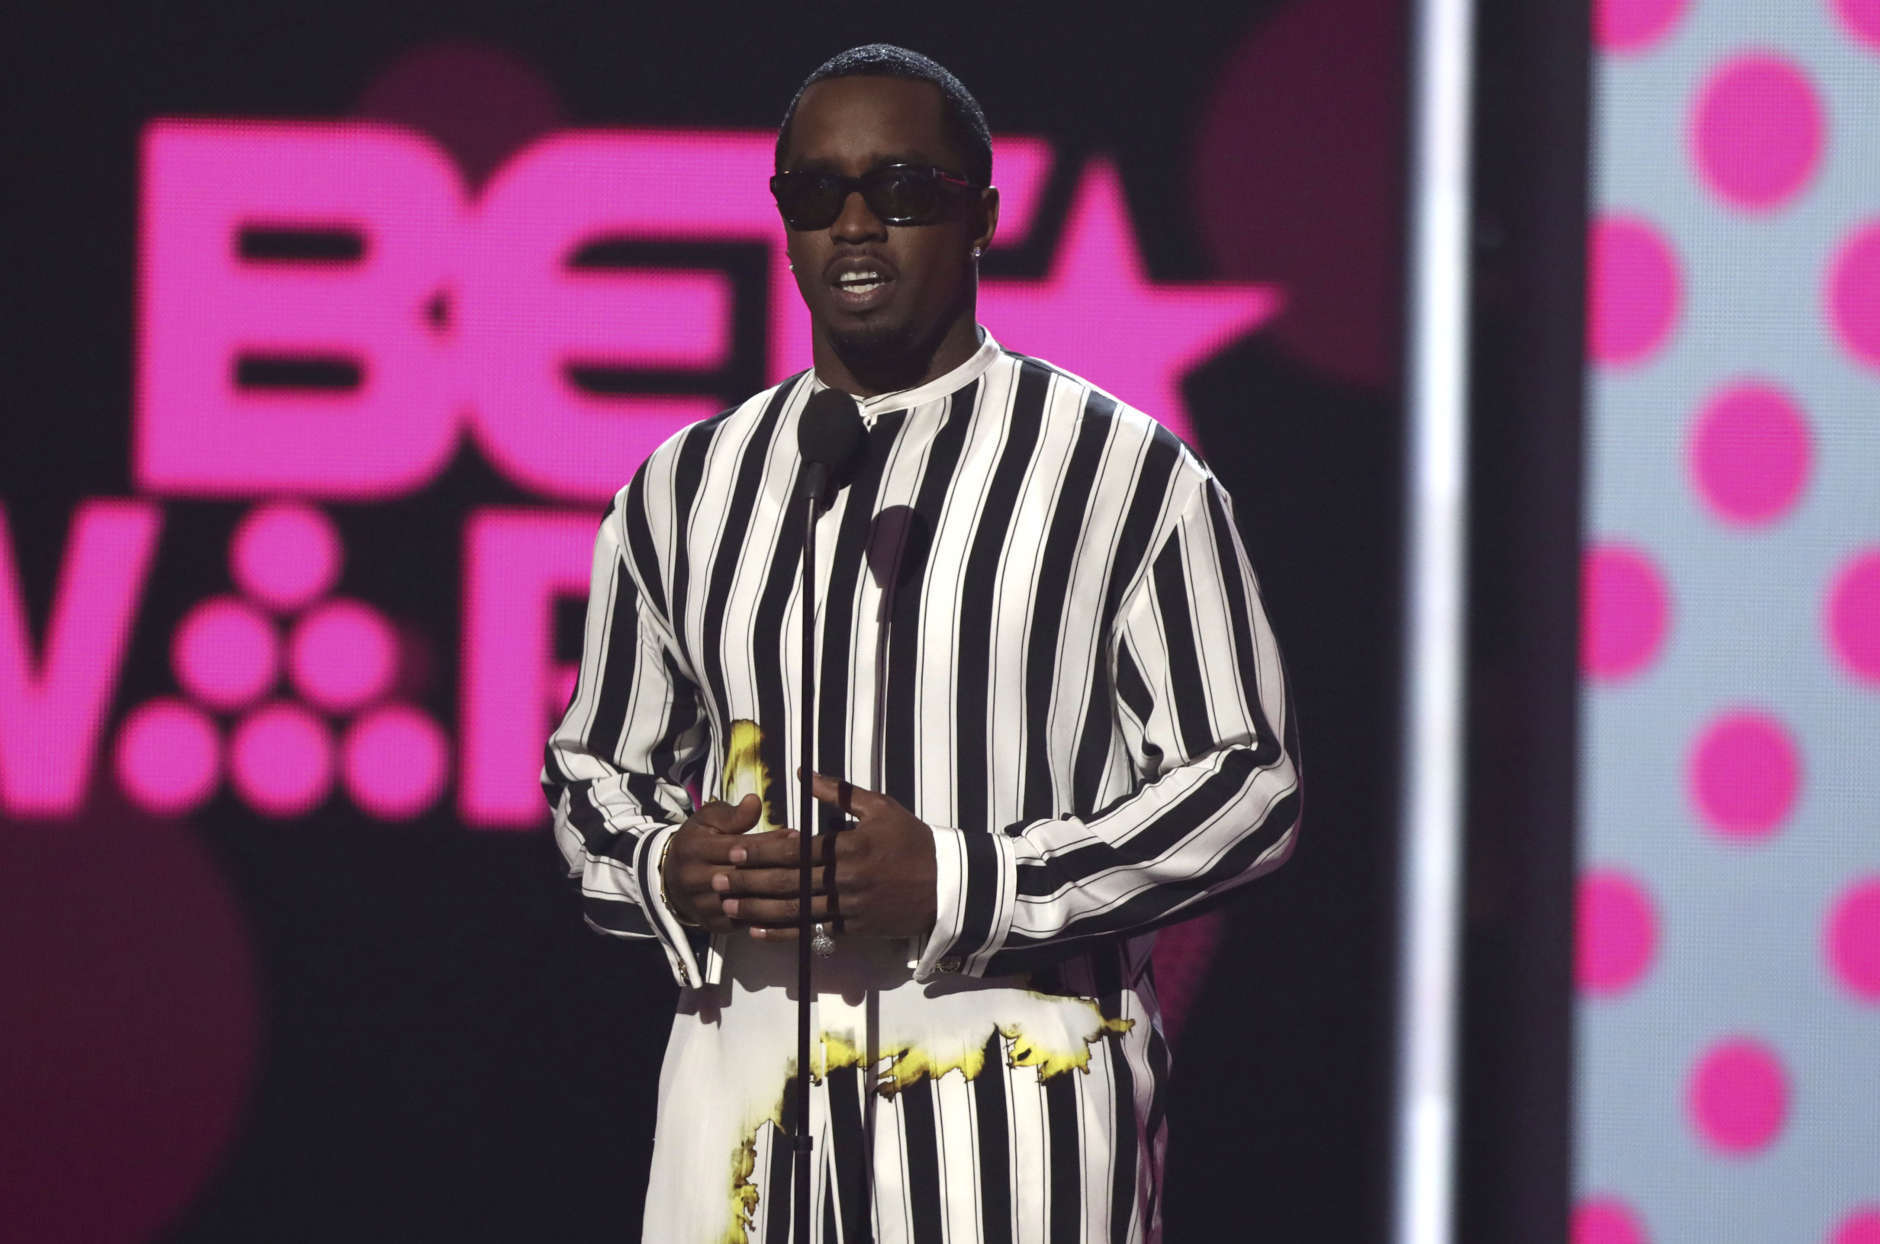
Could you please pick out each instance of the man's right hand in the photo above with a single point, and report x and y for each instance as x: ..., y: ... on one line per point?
x: 701, y: 850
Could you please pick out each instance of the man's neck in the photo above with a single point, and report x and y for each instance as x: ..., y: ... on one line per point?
x: 867, y: 377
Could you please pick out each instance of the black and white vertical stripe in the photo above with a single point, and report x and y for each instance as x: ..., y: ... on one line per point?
x: 1040, y: 633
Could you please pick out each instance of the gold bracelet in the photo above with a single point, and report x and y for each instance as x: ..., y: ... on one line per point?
x: 678, y: 915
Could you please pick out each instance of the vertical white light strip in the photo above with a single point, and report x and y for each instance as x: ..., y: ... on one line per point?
x: 1435, y: 574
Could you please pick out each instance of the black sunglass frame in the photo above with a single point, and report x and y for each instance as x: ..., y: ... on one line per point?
x: 869, y: 185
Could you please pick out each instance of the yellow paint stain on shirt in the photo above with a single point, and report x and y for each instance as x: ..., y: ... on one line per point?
x: 839, y: 1050
x: 1053, y: 1049
x: 1051, y: 1060
x: 744, y: 1194
x: 899, y: 1066
x: 745, y: 771
x: 743, y: 1191
x: 914, y: 1063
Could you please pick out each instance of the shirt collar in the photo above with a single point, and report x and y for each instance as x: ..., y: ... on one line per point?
x: 935, y: 389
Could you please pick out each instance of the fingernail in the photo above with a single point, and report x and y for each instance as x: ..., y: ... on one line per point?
x: 731, y: 907
x: 720, y: 882
x: 758, y: 932
x: 738, y: 855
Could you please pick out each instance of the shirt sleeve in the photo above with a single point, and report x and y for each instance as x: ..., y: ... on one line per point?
x: 614, y: 769
x: 1203, y: 709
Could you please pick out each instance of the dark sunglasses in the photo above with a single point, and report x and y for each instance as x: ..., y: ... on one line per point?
x: 898, y: 194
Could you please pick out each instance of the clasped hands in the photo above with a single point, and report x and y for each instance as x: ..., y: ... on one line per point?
x: 872, y: 878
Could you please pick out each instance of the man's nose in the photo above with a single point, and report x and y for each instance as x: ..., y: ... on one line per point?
x: 856, y: 221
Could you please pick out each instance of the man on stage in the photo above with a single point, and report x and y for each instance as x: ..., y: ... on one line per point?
x: 1050, y: 717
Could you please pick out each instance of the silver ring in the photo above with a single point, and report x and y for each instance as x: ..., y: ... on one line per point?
x: 823, y: 944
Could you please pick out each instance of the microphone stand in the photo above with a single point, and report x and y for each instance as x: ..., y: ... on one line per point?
x: 814, y: 475
x: 829, y: 435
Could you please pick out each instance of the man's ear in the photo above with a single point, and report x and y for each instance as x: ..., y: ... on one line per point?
x: 988, y: 216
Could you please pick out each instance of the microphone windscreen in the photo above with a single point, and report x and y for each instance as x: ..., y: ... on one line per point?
x: 831, y: 430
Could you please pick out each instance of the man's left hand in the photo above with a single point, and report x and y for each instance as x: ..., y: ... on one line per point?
x: 878, y: 873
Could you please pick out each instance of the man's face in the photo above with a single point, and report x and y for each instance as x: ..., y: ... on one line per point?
x: 926, y: 277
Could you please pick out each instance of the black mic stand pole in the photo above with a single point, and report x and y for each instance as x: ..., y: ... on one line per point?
x: 814, y: 475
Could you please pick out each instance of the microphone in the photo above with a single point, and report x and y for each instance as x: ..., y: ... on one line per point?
x: 829, y: 436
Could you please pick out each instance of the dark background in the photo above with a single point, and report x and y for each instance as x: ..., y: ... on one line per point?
x: 436, y: 1048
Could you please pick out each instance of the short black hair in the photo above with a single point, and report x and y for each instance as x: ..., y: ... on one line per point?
x: 964, y: 120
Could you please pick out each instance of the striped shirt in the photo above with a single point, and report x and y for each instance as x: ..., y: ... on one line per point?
x: 1037, y: 630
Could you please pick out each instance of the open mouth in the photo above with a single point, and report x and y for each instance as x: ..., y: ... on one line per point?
x: 861, y: 282
x: 864, y: 282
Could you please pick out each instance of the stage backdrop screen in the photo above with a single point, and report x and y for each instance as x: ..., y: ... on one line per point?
x: 1728, y: 955
x: 332, y: 332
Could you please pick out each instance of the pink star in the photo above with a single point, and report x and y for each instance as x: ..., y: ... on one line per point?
x: 1098, y: 314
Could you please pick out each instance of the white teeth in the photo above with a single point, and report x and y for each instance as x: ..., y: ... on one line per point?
x: 870, y: 278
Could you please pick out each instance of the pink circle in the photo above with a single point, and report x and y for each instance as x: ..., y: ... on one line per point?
x: 1749, y: 453
x: 281, y: 760
x: 1756, y: 132
x: 168, y: 758
x: 1632, y: 290
x: 133, y: 1025
x: 1862, y: 17
x: 225, y: 653
x: 1860, y: 1227
x: 1744, y: 774
x: 1616, y: 932
x: 1853, y: 615
x: 1605, y: 1220
x: 395, y: 760
x: 1738, y: 1095
x: 1632, y: 25
x: 1853, y: 938
x: 1624, y: 610
x: 343, y: 655
x: 1854, y: 293
x: 286, y: 554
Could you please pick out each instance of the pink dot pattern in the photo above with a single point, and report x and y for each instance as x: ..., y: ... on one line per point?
x: 1862, y: 19
x: 1633, y: 291
x: 168, y: 757
x: 343, y: 655
x: 1860, y: 1227
x: 1853, y: 294
x: 286, y: 555
x: 1624, y: 610
x: 1757, y: 131
x: 1730, y: 627
x: 1744, y: 774
x: 225, y: 653
x: 1616, y: 932
x: 1633, y: 25
x: 1853, y: 939
x: 1605, y: 1220
x: 1854, y: 616
x: 281, y: 760
x: 1738, y: 1096
x: 395, y: 761
x: 1750, y: 453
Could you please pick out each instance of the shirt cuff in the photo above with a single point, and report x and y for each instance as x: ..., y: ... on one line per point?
x: 975, y: 888
x: 672, y: 935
